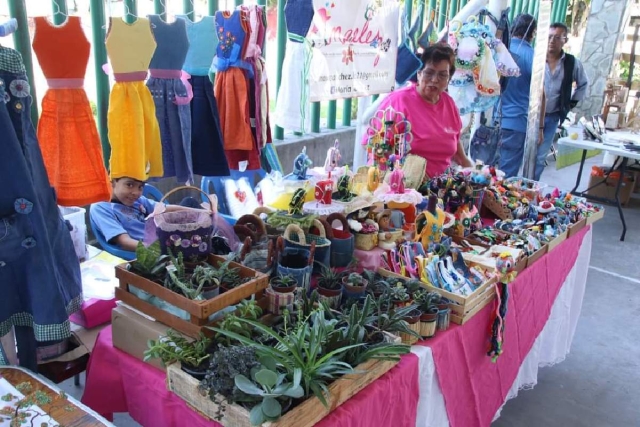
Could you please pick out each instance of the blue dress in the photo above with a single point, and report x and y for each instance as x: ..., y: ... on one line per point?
x: 171, y: 97
x: 39, y: 271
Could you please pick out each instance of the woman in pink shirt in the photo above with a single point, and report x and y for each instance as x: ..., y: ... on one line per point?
x: 435, y: 121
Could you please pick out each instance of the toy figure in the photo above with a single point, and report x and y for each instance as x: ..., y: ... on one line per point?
x: 301, y: 164
x: 324, y: 189
x: 333, y: 157
x: 297, y: 201
x: 396, y: 181
x: 373, y: 179
x: 387, y: 235
x: 506, y: 266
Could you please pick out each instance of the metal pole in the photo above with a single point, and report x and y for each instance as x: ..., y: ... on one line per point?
x: 346, y: 112
x: 518, y: 8
x: 408, y: 8
x: 18, y: 10
x: 281, y: 39
x: 532, y: 7
x: 442, y: 14
x: 562, y: 13
x: 238, y: 2
x: 60, y: 11
x: 187, y: 8
x: 453, y: 8
x: 315, y: 117
x: 160, y: 9
x: 331, y: 114
x: 130, y: 11
x: 421, y: 21
x: 102, y: 80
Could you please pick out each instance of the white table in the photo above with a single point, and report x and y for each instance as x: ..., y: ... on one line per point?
x: 622, y: 154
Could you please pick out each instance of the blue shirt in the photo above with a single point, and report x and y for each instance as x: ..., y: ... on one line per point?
x: 515, y: 100
x: 114, y: 219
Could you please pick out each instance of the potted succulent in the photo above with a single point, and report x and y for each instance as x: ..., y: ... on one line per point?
x: 206, y: 276
x: 330, y: 286
x: 399, y: 295
x: 379, y: 287
x: 354, y: 285
x: 413, y: 321
x: 283, y: 284
x: 427, y: 305
x: 192, y: 355
x: 228, y: 278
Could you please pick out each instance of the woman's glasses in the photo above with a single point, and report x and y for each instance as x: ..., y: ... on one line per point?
x: 431, y: 74
x: 557, y: 38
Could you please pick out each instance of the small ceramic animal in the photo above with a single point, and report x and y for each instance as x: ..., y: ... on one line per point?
x: 323, y: 192
x: 301, y: 164
x: 396, y: 181
x: 333, y: 157
x: 297, y: 201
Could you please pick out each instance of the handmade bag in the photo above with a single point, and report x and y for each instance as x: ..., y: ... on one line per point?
x: 342, y: 242
x: 295, y: 237
x: 260, y: 259
x: 186, y: 232
x: 301, y: 273
x: 408, y: 63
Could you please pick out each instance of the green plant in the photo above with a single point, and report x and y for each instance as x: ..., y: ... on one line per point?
x: 175, y: 348
x: 269, y: 386
x: 427, y: 301
x: 229, y: 278
x: 174, y: 282
x: 330, y: 278
x: 399, y: 293
x: 247, y: 309
x: 149, y: 261
x: 354, y: 279
x: 204, y: 275
x: 392, y: 319
x: 283, y: 281
x: 301, y: 348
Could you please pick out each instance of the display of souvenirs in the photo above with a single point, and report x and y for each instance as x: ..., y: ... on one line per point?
x: 301, y: 164
x: 389, y: 138
x: 467, y: 220
x: 333, y: 157
x: 388, y: 235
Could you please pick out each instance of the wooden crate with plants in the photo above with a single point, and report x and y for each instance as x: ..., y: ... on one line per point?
x: 181, y: 295
x: 293, y: 371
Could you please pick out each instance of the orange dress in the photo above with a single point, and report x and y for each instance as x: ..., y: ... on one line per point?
x: 67, y: 130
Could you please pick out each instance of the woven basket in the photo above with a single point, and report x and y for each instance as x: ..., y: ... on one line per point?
x: 410, y: 339
x: 258, y: 258
x: 295, y: 237
x: 302, y: 274
x: 366, y: 242
x: 342, y: 242
x: 278, y: 302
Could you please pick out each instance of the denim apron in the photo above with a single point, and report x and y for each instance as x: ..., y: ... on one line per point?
x: 39, y: 271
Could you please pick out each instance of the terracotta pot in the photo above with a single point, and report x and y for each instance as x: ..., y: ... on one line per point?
x: 282, y: 290
x: 329, y: 292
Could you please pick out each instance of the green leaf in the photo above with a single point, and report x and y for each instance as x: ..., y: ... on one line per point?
x: 245, y: 385
x: 255, y: 416
x: 271, y: 407
x: 268, y: 362
x: 295, y: 392
x: 267, y: 378
x: 297, y: 376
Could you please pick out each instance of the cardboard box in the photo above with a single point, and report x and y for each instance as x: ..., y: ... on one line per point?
x: 131, y: 332
x: 608, y: 189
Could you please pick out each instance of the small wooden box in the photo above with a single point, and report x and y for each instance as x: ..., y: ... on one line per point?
x: 574, y: 228
x: 307, y: 414
x: 490, y: 202
x: 557, y: 240
x: 463, y: 308
x: 537, y: 255
x: 199, y: 311
x: 596, y: 216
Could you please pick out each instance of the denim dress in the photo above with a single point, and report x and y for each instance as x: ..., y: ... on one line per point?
x: 172, y: 95
x: 39, y: 272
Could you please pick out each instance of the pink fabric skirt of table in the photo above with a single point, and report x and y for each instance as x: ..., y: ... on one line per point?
x: 118, y: 382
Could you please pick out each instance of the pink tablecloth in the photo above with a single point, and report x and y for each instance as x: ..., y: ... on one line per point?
x: 474, y: 388
x: 117, y: 382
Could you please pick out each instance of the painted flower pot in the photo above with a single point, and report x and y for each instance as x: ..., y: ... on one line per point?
x: 428, y: 323
x: 415, y: 325
x: 333, y: 297
x: 444, y: 317
x: 356, y: 292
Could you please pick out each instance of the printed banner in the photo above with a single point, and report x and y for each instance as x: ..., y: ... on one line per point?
x: 355, y: 46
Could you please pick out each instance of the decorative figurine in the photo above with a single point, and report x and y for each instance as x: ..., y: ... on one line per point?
x: 333, y: 157
x: 301, y: 164
x: 324, y: 190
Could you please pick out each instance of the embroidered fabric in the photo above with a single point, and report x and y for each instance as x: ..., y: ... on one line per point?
x: 183, y: 220
x: 240, y: 197
x: 317, y: 208
x: 384, y: 194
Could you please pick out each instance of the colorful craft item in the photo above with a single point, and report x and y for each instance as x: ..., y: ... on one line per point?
x: 467, y: 221
x: 297, y: 202
x: 389, y: 134
x: 373, y: 179
x: 301, y: 164
x: 506, y: 267
x: 324, y: 191
x: 396, y: 181
x: 546, y: 207
x: 344, y: 188
x: 497, y: 327
x: 333, y: 157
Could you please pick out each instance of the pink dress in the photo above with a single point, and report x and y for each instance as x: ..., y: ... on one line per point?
x: 435, y: 127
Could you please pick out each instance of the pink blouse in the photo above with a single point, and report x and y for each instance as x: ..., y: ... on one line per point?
x: 435, y: 127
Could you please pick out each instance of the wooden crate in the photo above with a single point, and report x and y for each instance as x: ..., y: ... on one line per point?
x: 490, y: 202
x: 574, y: 228
x: 199, y: 311
x: 597, y: 216
x: 307, y: 414
x: 462, y: 308
x: 557, y: 240
x: 537, y: 255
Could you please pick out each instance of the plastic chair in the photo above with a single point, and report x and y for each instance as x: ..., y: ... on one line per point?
x: 112, y: 249
x: 151, y: 192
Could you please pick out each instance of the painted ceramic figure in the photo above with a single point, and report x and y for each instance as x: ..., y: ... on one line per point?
x: 333, y: 157
x: 301, y: 164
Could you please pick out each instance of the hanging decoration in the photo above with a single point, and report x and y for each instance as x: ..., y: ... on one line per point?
x: 389, y: 138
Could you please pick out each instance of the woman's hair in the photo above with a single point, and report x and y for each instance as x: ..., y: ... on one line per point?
x: 524, y: 25
x: 439, y: 52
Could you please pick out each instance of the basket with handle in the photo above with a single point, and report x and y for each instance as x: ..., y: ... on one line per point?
x: 187, y: 232
x: 296, y: 262
x: 342, y: 241
x: 295, y: 237
x: 251, y: 225
x: 261, y: 259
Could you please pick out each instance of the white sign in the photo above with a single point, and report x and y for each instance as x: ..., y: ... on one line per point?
x: 355, y: 46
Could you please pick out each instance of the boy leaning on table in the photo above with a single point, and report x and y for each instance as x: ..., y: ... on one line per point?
x: 122, y: 220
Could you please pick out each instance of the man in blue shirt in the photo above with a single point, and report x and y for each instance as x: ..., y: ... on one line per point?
x: 122, y: 220
x: 562, y: 71
x: 515, y: 99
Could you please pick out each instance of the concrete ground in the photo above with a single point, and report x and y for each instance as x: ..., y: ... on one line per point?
x: 594, y: 385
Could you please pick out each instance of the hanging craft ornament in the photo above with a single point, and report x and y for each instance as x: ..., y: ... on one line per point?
x: 506, y: 268
x: 389, y: 137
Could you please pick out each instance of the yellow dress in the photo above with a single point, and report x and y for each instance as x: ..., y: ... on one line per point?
x: 134, y: 134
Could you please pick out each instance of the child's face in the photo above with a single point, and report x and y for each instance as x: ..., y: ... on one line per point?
x: 127, y: 190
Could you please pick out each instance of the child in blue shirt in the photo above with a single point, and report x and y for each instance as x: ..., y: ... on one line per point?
x: 122, y: 220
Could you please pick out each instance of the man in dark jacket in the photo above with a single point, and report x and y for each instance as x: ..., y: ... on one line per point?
x: 562, y: 71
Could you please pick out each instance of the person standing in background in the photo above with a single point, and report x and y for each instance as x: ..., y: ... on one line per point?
x: 515, y: 99
x: 561, y: 72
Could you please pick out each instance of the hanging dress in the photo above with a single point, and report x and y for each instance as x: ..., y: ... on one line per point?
x: 292, y: 105
x: 134, y: 134
x: 67, y: 130
x: 206, y: 134
x: 39, y: 270
x: 232, y: 88
x: 172, y: 97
